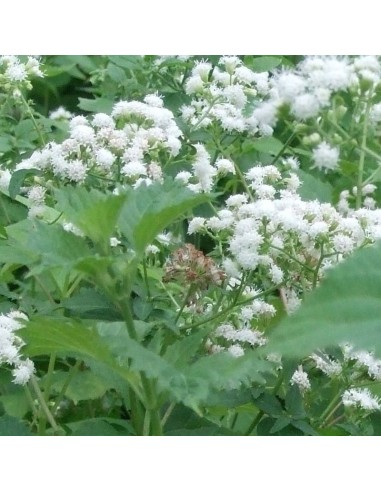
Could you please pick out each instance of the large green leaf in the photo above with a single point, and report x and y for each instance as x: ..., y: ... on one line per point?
x: 56, y: 246
x: 149, y: 209
x: 11, y: 426
x: 89, y: 303
x: 346, y: 307
x: 95, y: 213
x: 84, y: 385
x: 268, y: 145
x: 169, y: 379
x: 223, y: 371
x: 69, y: 337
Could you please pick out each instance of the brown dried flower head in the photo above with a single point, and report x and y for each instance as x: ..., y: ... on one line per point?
x: 188, y: 264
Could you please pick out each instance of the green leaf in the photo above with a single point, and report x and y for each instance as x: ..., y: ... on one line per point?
x: 129, y: 62
x: 269, y: 404
x: 268, y: 145
x: 15, y: 403
x: 116, y: 73
x: 84, y: 385
x: 313, y: 188
x: 100, y: 427
x: 346, y: 307
x: 294, y: 402
x: 95, y: 213
x: 265, y: 63
x: 280, y: 424
x: 169, y: 378
x: 18, y: 178
x: 55, y: 245
x: 181, y: 351
x: 305, y: 427
x: 222, y: 371
x: 5, y: 143
x: 11, y: 426
x: 149, y: 209
x: 11, y: 210
x: 69, y: 337
x: 99, y: 105
x: 142, y: 308
x: 91, y: 304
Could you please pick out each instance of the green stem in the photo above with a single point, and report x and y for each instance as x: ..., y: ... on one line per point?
x: 291, y: 257
x: 167, y: 414
x: 186, y: 299
x: 44, y: 407
x: 331, y: 413
x: 285, y: 145
x: 316, y: 272
x: 228, y: 309
x: 362, y: 153
x: 147, y: 423
x: 243, y: 181
x: 213, y: 102
x: 136, y: 412
x: 28, y: 108
x: 177, y: 305
x: 146, y: 279
x: 31, y: 403
x: 49, y: 375
x: 255, y: 422
x: 152, y: 406
x: 72, y: 372
x: 327, y: 412
x: 126, y: 310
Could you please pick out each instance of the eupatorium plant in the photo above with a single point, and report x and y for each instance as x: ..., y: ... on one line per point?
x: 194, y: 249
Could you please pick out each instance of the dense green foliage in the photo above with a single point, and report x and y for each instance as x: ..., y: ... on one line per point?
x: 171, y: 269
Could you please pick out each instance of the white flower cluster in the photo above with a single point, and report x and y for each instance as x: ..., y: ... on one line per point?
x: 220, y: 94
x: 123, y: 147
x: 10, y: 345
x: 238, y: 338
x: 364, y: 360
x: 327, y: 365
x: 16, y: 71
x: 224, y: 94
x: 361, y: 398
x: 280, y: 236
x: 204, y: 173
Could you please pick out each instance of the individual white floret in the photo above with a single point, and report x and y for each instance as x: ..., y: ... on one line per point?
x: 300, y: 379
x: 134, y: 169
x: 236, y: 350
x: 23, y: 372
x: 326, y: 157
x: 224, y: 166
x: 104, y: 158
x: 102, y: 120
x: 114, y: 242
x: 197, y: 224
x: 60, y: 114
x: 305, y: 106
